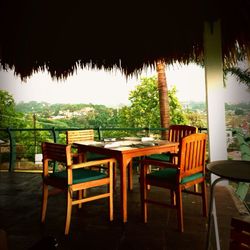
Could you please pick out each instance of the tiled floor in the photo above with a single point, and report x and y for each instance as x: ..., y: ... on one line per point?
x: 20, y: 200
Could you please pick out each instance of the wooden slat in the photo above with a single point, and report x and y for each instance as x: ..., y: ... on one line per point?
x: 54, y: 151
x: 176, y: 132
x: 240, y: 233
x: 79, y: 135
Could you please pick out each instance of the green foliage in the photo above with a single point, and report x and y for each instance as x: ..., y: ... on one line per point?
x: 239, y: 112
x: 196, y: 119
x: 177, y: 114
x: 243, y: 76
x: 7, y: 108
x: 145, y: 110
x: 8, y: 116
x: 244, y: 106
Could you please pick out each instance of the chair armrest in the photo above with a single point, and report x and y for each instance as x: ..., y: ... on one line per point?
x: 93, y: 163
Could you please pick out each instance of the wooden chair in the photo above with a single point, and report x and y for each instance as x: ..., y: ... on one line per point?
x: 88, y: 135
x: 74, y: 177
x: 175, y: 133
x: 189, y: 171
x: 240, y: 233
x: 82, y: 135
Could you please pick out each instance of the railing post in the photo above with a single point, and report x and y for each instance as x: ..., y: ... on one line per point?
x: 54, y: 134
x: 99, y: 131
x: 12, y: 162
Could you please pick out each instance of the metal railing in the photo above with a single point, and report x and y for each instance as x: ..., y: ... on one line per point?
x: 23, y: 145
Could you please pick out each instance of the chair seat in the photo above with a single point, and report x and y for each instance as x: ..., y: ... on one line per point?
x: 79, y: 175
x: 169, y: 175
x: 160, y: 157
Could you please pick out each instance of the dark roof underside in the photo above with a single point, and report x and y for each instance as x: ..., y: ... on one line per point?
x: 61, y: 35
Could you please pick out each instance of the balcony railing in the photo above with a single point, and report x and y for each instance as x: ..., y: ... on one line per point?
x: 22, y: 147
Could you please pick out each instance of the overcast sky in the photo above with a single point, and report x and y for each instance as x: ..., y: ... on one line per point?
x: 111, y: 88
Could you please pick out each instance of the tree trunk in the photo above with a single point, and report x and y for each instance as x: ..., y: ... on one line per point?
x: 163, y: 98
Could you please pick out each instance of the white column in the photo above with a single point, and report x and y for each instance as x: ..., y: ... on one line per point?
x: 215, y: 92
x: 215, y: 104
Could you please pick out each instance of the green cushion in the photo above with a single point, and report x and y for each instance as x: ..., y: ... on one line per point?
x: 191, y: 178
x: 94, y: 156
x: 169, y: 175
x: 160, y: 157
x: 80, y: 175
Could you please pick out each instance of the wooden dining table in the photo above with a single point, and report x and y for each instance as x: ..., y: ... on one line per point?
x: 124, y: 151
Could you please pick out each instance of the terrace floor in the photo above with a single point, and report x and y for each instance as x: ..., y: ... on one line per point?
x: 20, y: 201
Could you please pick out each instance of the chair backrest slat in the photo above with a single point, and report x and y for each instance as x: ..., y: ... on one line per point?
x: 56, y: 152
x: 79, y: 135
x: 240, y: 233
x: 192, y: 154
x: 176, y: 132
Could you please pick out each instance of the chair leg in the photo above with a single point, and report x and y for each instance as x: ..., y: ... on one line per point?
x: 44, y: 202
x: 196, y: 188
x: 173, y: 197
x: 69, y: 210
x: 204, y: 198
x: 130, y: 175
x: 143, y: 187
x: 114, y: 176
x: 111, y: 197
x: 179, y: 209
x: 81, y: 194
x: 149, y: 170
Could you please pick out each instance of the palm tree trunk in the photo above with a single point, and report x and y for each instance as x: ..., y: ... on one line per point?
x: 163, y: 98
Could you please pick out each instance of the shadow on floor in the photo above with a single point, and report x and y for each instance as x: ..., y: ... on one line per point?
x: 20, y: 196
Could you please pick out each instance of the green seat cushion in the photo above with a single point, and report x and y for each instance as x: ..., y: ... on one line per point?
x: 169, y: 175
x: 191, y: 178
x: 80, y: 175
x: 94, y: 156
x: 160, y: 157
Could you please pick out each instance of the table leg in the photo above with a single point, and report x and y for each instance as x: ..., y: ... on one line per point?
x: 213, y: 218
x: 123, y: 179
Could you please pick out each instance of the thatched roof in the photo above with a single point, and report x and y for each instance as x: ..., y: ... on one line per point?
x: 60, y: 35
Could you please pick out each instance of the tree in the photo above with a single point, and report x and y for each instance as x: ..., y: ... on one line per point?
x: 8, y: 116
x: 144, y: 109
x: 197, y: 119
x: 243, y: 76
x: 163, y: 97
x: 145, y: 106
x: 177, y: 114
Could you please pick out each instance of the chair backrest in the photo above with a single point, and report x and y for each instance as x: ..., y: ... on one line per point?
x: 79, y: 135
x: 240, y: 233
x: 192, y: 154
x: 176, y: 132
x: 55, y: 152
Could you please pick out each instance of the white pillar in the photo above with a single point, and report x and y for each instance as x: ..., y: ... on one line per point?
x: 215, y: 92
x: 215, y: 103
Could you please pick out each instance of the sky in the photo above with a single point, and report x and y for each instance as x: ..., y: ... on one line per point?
x: 112, y: 88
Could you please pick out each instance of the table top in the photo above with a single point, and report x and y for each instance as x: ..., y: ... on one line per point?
x: 235, y: 170
x: 122, y: 145
x: 128, y: 148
